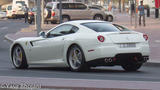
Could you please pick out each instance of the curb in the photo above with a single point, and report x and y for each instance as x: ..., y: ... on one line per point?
x: 8, y: 38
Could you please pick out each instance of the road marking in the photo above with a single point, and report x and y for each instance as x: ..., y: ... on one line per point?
x: 3, y: 28
x: 157, y: 41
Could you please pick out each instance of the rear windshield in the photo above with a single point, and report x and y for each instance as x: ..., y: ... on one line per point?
x: 101, y: 27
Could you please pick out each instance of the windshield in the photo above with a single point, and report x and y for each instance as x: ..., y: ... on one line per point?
x: 20, y: 2
x: 101, y: 27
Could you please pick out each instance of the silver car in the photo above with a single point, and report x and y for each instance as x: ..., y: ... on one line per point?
x: 72, y: 11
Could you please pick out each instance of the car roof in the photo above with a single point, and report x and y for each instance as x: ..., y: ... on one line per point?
x: 84, y: 21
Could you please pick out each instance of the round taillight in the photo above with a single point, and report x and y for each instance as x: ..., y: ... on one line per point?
x: 53, y: 13
x: 101, y: 38
x: 145, y: 36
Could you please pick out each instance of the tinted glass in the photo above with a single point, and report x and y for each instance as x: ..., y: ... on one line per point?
x: 101, y: 27
x: 71, y: 6
x: 121, y: 28
x: 64, y: 6
x: 21, y: 2
x: 80, y: 6
x: 91, y: 7
x: 9, y: 7
x: 62, y: 30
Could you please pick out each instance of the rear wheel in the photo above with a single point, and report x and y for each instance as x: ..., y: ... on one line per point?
x: 110, y: 18
x: 19, y: 58
x: 30, y: 21
x: 76, y: 59
x: 131, y: 66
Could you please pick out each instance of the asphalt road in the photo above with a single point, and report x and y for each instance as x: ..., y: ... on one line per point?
x: 146, y: 73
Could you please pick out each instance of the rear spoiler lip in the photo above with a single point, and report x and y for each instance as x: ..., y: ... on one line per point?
x: 121, y: 32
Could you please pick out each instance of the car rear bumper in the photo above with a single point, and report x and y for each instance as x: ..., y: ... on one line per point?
x: 55, y: 18
x: 118, y: 60
x: 113, y: 50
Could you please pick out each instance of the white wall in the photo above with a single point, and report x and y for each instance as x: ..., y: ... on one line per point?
x: 151, y: 3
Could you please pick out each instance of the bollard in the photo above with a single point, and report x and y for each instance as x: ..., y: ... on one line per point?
x: 156, y: 13
x: 148, y: 12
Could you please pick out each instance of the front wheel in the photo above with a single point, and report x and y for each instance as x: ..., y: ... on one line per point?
x: 98, y: 17
x: 65, y: 18
x: 76, y: 59
x: 19, y: 58
x: 110, y: 18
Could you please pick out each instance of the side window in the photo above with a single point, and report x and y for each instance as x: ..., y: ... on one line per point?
x: 92, y: 7
x: 62, y: 30
x: 71, y: 6
x: 9, y: 8
x: 80, y: 6
x: 64, y: 6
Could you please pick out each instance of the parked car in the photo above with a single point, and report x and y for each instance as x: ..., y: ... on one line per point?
x: 18, y: 8
x: 82, y: 44
x: 72, y: 11
x: 108, y: 15
x: 9, y: 11
x: 2, y: 14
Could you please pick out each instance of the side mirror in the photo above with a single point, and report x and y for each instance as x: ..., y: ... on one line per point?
x: 42, y: 34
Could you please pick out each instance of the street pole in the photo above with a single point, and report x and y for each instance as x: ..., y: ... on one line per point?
x: 42, y: 13
x: 60, y: 11
x: 38, y: 17
x: 120, y: 6
x: 135, y: 14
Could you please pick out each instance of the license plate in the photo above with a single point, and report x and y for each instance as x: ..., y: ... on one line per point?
x: 127, y: 45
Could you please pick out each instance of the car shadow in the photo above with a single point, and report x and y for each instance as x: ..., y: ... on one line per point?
x: 92, y: 70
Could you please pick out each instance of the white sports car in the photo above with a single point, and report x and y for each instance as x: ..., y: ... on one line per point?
x: 83, y: 44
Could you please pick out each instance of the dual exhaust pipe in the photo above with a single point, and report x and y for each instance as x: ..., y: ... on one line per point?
x: 145, y: 58
x: 108, y: 60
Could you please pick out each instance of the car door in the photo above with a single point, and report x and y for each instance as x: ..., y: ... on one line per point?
x: 82, y: 11
x: 50, y: 49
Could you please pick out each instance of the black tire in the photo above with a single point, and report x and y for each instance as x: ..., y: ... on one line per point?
x: 30, y: 21
x: 98, y: 17
x: 110, y: 18
x: 131, y: 66
x: 65, y: 18
x: 83, y: 66
x: 23, y: 64
x: 53, y: 22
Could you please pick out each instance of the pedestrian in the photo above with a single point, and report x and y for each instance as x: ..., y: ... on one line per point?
x: 26, y: 13
x: 141, y: 13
